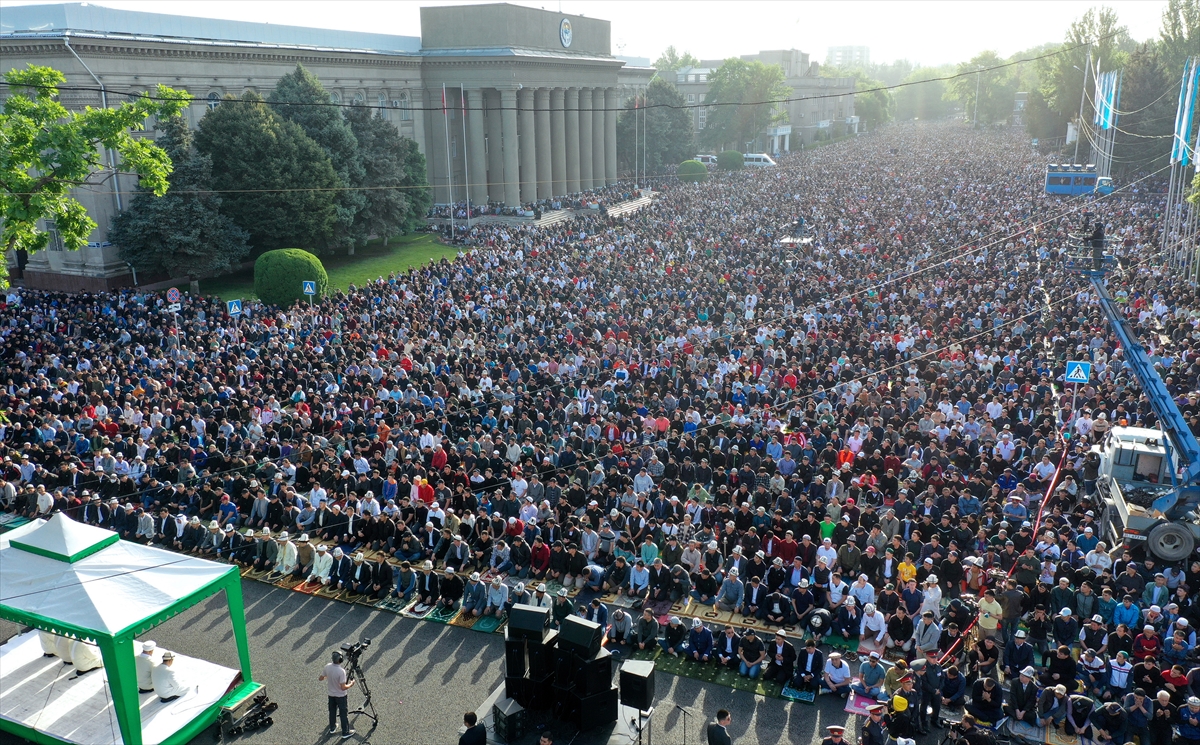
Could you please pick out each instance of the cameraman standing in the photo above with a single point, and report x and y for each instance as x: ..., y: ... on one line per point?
x: 337, y: 683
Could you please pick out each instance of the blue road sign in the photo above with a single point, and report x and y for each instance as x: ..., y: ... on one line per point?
x: 235, y: 307
x: 1078, y: 372
x: 310, y: 287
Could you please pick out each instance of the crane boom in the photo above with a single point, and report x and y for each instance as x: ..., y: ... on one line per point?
x: 1170, y: 419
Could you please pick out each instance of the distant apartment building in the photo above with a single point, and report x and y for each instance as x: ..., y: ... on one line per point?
x: 848, y: 56
x: 817, y: 108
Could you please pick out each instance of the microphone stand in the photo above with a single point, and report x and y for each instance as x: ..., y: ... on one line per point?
x: 685, y: 713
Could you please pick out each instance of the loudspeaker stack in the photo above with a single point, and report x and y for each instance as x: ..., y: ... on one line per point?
x: 583, y: 692
x: 529, y: 657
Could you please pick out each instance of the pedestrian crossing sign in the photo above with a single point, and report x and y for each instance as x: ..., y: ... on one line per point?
x: 235, y: 307
x: 1079, y: 372
x: 310, y: 287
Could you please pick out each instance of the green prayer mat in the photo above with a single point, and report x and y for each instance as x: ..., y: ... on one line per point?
x: 438, y: 615
x: 706, y: 672
x: 487, y: 624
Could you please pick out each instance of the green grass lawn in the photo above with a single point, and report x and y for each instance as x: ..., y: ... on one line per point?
x: 372, y: 262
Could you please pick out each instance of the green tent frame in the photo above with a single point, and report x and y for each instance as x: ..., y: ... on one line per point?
x: 118, y: 654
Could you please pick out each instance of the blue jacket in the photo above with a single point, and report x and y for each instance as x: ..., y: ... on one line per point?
x: 1131, y: 616
x: 701, y: 640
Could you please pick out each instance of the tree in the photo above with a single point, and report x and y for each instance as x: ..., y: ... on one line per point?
x: 394, y: 203
x: 658, y: 123
x: 299, y: 97
x: 183, y: 231
x: 279, y: 185
x: 744, y: 97
x: 1180, y: 32
x: 925, y: 99
x: 1060, y: 77
x: 994, y: 87
x: 671, y: 61
x: 279, y: 276
x: 692, y: 171
x: 45, y: 151
x: 1144, y: 133
x: 730, y: 160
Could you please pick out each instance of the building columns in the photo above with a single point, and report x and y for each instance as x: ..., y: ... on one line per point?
x: 558, y: 143
x: 571, y: 123
x: 541, y: 105
x: 495, y: 146
x: 610, y: 134
x: 586, y: 148
x: 512, y: 173
x: 598, y: 139
x: 528, y: 146
x: 475, y: 147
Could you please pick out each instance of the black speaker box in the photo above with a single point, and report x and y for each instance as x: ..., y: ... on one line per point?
x: 542, y: 655
x: 508, y: 720
x: 514, y: 658
x: 595, y: 675
x: 518, y: 689
x: 598, y: 709
x: 541, y: 693
x: 637, y: 684
x: 527, y: 622
x: 580, y: 636
x: 566, y: 704
x: 566, y: 668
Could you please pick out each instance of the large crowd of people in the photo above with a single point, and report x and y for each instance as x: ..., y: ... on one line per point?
x: 858, y: 435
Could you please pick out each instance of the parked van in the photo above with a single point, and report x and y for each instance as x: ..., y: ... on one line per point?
x: 708, y: 160
x: 757, y: 160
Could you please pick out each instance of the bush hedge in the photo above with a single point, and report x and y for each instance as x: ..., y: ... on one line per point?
x: 730, y: 160
x: 692, y: 170
x: 279, y: 276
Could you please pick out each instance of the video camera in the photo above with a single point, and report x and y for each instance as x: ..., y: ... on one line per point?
x: 352, y: 651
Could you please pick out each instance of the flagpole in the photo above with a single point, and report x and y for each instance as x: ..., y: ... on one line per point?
x: 635, y: 137
x: 449, y: 167
x: 466, y: 158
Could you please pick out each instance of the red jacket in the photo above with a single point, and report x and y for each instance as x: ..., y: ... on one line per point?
x: 540, y: 557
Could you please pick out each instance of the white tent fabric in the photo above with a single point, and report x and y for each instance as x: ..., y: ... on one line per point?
x: 106, y: 592
x: 18, y: 532
x: 64, y: 537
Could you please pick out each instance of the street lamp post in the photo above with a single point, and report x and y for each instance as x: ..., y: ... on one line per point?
x: 1082, y: 95
x: 978, y: 75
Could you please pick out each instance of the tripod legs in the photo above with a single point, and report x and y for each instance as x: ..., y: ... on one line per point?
x: 367, y: 709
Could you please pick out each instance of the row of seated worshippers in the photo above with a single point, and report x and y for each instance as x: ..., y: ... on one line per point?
x: 156, y: 670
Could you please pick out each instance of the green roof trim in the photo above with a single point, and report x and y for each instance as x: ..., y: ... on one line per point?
x: 77, y: 556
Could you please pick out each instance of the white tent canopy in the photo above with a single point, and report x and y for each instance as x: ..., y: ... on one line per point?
x: 83, y: 576
x: 17, y: 532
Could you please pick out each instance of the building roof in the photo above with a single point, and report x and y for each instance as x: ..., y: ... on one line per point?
x: 95, y: 19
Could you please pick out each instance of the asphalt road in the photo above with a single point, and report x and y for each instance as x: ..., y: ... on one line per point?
x: 425, y: 675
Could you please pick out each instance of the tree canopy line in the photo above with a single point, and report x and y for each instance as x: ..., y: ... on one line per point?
x: 280, y: 173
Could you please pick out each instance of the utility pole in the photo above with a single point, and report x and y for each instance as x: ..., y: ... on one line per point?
x: 1082, y: 95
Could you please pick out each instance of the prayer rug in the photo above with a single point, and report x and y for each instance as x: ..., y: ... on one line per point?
x: 438, y: 615
x: 417, y: 612
x: 465, y: 621
x: 366, y: 600
x: 487, y: 624
x: 308, y: 588
x: 329, y: 591
x: 857, y: 703
x: 288, y: 582
x: 795, y: 694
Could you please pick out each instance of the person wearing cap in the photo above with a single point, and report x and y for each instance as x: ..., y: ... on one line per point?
x: 1148, y: 643
x: 700, y: 642
x: 1163, y: 718
x: 321, y: 567
x: 561, y: 608
x: 339, y: 573
x: 1052, y: 706
x: 450, y: 591
x: 428, y: 586
x: 1023, y: 695
x: 289, y: 560
x: 875, y: 731
x: 474, y: 597
x: 620, y: 631
x: 836, y: 735
x: 835, y: 678
x: 871, y: 675
x: 1018, y: 654
x: 781, y: 659
x: 497, y: 599
x: 1158, y: 593
x: 520, y: 595
x: 168, y: 684
x: 146, y: 661
x: 675, y: 638
x: 731, y: 594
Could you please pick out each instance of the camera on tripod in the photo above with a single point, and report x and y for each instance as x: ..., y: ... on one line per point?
x: 352, y: 651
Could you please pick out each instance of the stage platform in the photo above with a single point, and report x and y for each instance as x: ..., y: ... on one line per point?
x: 36, y: 693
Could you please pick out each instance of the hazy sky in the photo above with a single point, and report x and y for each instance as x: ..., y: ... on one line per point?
x: 927, y: 32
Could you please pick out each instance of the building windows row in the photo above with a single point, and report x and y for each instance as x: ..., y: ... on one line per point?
x: 401, y: 104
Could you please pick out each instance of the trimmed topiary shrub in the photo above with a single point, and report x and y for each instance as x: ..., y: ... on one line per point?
x: 279, y: 276
x: 730, y: 160
x: 692, y: 170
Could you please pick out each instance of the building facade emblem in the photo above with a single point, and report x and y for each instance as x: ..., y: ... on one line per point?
x: 565, y: 34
